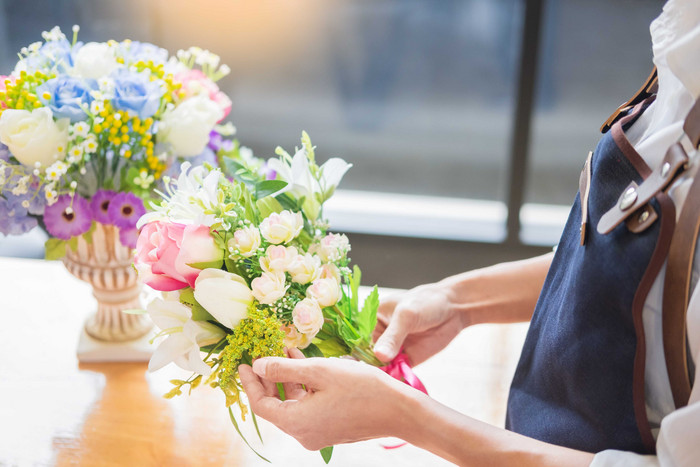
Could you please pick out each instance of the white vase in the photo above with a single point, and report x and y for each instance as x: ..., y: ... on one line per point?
x: 106, y: 264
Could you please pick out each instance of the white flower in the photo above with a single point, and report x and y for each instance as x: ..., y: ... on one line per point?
x: 278, y: 258
x: 95, y: 60
x: 185, y: 336
x: 307, y: 316
x: 80, y: 129
x: 333, y: 247
x: 301, y: 182
x: 246, y: 241
x: 186, y: 127
x: 330, y: 271
x: 197, y: 191
x: 21, y: 187
x: 33, y: 136
x: 90, y: 144
x: 305, y: 269
x: 224, y: 295
x: 56, y: 170
x: 294, y: 338
x: 281, y: 227
x: 143, y: 179
x: 325, y: 291
x: 97, y: 106
x: 75, y: 153
x: 269, y: 287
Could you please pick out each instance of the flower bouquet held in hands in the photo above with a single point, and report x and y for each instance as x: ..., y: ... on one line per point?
x: 86, y: 133
x: 247, y: 267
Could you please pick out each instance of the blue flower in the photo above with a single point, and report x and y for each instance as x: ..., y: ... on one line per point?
x: 136, y: 93
x: 14, y: 219
x: 66, y: 95
x: 135, y: 51
x: 4, y: 153
x: 56, y: 53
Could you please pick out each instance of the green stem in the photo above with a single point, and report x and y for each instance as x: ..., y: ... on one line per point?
x: 365, y: 354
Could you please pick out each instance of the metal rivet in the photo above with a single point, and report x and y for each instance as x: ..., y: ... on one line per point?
x: 665, y: 168
x: 628, y: 198
x: 643, y: 217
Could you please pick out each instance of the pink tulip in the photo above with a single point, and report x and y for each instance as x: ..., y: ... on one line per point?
x: 165, y: 250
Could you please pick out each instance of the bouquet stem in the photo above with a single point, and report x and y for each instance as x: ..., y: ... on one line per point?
x: 365, y: 354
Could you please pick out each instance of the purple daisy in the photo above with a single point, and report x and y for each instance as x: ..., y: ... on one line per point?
x: 100, y: 206
x: 125, y: 210
x: 128, y: 237
x: 68, y: 217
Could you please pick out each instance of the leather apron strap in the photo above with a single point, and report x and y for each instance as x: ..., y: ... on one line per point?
x: 678, y: 277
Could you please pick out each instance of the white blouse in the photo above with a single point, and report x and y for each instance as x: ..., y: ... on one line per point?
x: 676, y: 46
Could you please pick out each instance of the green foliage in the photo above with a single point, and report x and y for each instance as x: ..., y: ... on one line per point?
x: 206, y: 265
x: 326, y: 453
x: 268, y: 187
x: 312, y: 351
x: 268, y: 205
x: 367, y: 318
x: 198, y: 311
x: 55, y: 248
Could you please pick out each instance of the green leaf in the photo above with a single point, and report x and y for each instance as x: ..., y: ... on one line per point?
x: 312, y: 351
x: 268, y: 205
x: 233, y: 268
x: 267, y: 187
x: 326, y: 453
x: 332, y: 347
x: 206, y: 265
x: 88, y: 235
x: 235, y: 425
x: 367, y: 319
x: 280, y: 390
x: 355, y: 279
x: 73, y: 243
x: 255, y: 422
x: 55, y: 248
x: 198, y: 311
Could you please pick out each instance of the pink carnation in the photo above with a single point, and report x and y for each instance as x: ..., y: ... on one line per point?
x: 165, y: 250
x: 195, y: 81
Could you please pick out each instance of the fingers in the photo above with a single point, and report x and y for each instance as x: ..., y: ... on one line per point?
x: 389, y: 343
x: 290, y: 370
x: 267, y: 407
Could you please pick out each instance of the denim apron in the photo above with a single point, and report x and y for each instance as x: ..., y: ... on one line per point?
x: 580, y: 379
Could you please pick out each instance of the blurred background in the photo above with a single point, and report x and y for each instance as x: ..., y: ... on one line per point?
x: 467, y: 121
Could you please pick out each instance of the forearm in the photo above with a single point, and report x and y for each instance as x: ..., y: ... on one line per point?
x: 465, y: 441
x: 504, y: 293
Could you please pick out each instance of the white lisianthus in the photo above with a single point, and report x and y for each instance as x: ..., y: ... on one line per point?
x: 307, y: 316
x: 278, y: 258
x: 224, y: 295
x: 269, y: 287
x: 246, y: 240
x: 325, y: 291
x: 185, y: 336
x: 281, y: 227
x: 33, y: 136
x: 305, y: 269
x: 95, y: 60
x: 186, y: 127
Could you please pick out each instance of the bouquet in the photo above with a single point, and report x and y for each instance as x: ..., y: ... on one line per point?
x: 88, y: 130
x: 247, y: 267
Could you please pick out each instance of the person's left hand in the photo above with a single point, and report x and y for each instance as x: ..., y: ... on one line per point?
x: 328, y: 400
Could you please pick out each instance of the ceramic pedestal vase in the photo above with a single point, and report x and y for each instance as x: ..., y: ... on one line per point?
x: 106, y: 264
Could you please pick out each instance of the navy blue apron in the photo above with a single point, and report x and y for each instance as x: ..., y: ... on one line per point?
x: 580, y: 379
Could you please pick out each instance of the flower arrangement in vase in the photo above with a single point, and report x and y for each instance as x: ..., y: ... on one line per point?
x: 87, y: 134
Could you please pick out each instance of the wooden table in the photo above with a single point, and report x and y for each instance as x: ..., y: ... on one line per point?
x: 55, y: 411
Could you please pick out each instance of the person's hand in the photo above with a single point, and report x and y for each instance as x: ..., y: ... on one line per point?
x: 327, y: 400
x: 421, y: 320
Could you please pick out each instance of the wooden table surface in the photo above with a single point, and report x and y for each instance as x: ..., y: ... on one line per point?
x: 55, y: 411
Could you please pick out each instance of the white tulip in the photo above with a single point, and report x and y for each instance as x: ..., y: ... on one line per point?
x: 224, y: 295
x: 33, y: 136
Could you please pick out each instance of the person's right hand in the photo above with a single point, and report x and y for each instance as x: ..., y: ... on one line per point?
x: 422, y: 321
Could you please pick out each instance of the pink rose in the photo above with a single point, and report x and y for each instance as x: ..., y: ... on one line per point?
x: 164, y: 250
x: 196, y: 82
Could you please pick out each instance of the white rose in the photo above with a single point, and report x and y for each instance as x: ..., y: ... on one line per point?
x: 325, y: 291
x: 281, y: 227
x: 278, y: 258
x: 333, y: 247
x: 95, y: 60
x: 186, y: 127
x: 330, y: 271
x: 294, y: 338
x: 305, y: 269
x: 34, y: 136
x: 224, y: 295
x: 307, y: 316
x: 269, y: 287
x: 246, y: 241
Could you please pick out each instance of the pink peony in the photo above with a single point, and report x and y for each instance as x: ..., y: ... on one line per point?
x: 196, y: 82
x: 164, y: 250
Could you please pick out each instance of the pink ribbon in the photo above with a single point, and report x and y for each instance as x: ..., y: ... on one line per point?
x: 400, y: 369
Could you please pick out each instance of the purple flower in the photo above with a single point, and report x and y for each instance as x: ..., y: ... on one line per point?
x: 14, y: 219
x: 68, y: 217
x: 4, y: 153
x: 100, y: 206
x: 125, y: 210
x: 128, y: 237
x: 217, y: 142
